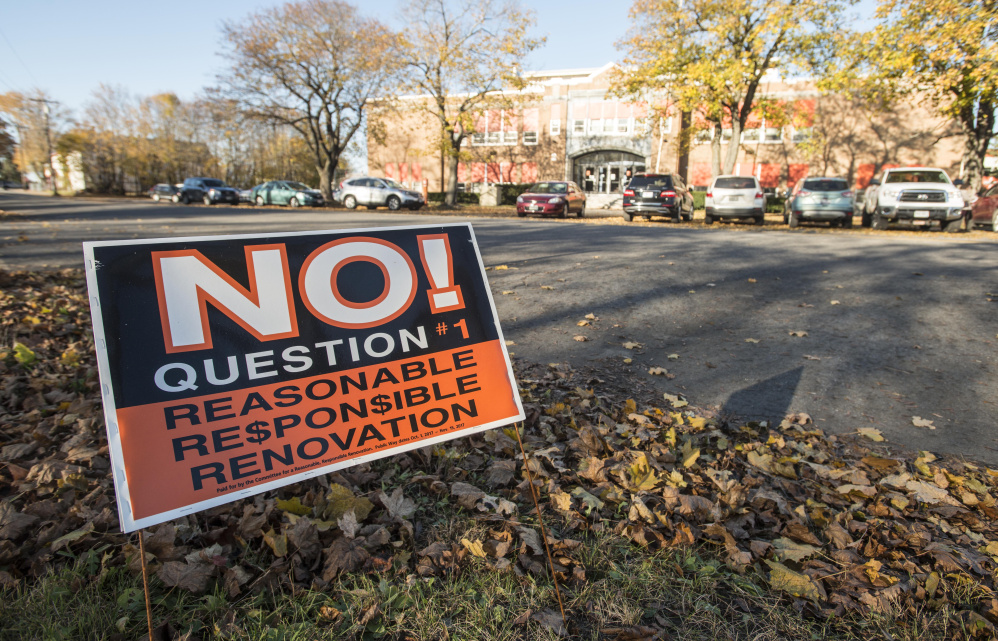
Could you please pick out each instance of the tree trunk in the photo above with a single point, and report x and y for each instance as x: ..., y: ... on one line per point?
x: 325, y: 172
x: 451, y: 197
x: 733, y: 147
x: 452, y: 160
x: 715, y: 151
x: 977, y: 130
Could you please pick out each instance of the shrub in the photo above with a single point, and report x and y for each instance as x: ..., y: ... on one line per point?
x: 463, y: 198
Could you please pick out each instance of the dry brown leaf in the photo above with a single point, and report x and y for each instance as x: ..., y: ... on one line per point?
x: 580, y: 339
x: 551, y: 620
x: 188, y: 576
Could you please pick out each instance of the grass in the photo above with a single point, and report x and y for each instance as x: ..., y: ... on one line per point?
x: 686, y: 593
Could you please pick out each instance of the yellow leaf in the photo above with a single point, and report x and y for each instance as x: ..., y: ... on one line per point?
x: 675, y: 401
x: 871, y: 433
x: 580, y: 339
x: 751, y: 340
x: 277, y: 542
x: 642, y: 476
x: 294, y: 506
x: 475, y: 547
x: 632, y: 345
x: 500, y: 268
x: 658, y: 371
x: 24, y: 355
x: 794, y: 583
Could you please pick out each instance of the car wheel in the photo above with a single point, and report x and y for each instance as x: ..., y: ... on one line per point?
x: 847, y: 222
x: 175, y: 198
x: 394, y: 203
x: 629, y: 217
x: 206, y: 200
x: 582, y: 211
x: 677, y: 218
x: 350, y: 202
x: 293, y: 202
x: 865, y: 220
x: 953, y: 226
x: 259, y: 201
x: 708, y: 219
x: 185, y: 199
x: 521, y: 214
x: 878, y: 222
x: 155, y: 197
x: 794, y: 220
x: 760, y: 219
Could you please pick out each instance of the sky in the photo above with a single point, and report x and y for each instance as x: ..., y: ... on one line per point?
x: 68, y: 47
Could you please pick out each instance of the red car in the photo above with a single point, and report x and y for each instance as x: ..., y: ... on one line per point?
x: 552, y: 198
x: 984, y: 211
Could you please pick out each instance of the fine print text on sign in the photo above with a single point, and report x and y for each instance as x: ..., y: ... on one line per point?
x: 234, y: 365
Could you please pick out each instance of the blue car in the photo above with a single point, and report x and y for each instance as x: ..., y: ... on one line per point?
x: 820, y: 200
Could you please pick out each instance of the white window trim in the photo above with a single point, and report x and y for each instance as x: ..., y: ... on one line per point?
x: 665, y: 124
x: 495, y: 138
x: 579, y: 126
x: 762, y: 128
x: 555, y: 127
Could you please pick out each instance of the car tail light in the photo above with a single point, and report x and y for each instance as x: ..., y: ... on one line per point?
x: 667, y: 194
x: 628, y: 192
x: 709, y: 195
x: 758, y: 194
x: 803, y: 193
x: 847, y: 194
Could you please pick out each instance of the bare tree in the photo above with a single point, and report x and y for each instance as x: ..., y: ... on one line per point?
x: 314, y: 65
x: 461, y: 54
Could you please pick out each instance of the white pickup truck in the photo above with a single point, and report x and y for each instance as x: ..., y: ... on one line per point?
x: 916, y: 195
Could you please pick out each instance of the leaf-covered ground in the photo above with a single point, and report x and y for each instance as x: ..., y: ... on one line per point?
x: 839, y: 528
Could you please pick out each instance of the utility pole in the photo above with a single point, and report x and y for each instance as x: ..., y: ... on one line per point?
x: 48, y: 141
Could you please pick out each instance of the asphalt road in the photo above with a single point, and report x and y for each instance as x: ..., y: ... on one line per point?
x: 888, y: 326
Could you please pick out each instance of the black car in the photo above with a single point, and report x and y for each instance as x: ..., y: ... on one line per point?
x: 207, y: 190
x: 163, y: 191
x: 658, y: 195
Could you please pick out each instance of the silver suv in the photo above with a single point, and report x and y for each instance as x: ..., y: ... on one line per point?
x: 377, y: 192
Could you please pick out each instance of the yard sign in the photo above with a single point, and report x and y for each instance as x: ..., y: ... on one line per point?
x: 231, y: 365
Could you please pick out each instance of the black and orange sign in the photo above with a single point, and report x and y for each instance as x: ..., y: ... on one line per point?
x: 234, y: 365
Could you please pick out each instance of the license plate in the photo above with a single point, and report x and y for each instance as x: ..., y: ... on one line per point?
x: 921, y: 213
x: 534, y: 208
x: 732, y: 199
x: 647, y: 194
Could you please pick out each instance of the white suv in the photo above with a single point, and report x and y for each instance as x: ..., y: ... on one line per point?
x: 735, y: 197
x: 916, y: 195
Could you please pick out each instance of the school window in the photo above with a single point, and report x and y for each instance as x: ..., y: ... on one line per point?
x: 530, y: 137
x: 595, y: 126
x: 773, y: 134
x: 477, y: 139
x: 509, y: 137
x: 555, y: 130
x: 578, y: 126
x: 750, y: 135
x: 623, y: 125
x: 802, y: 134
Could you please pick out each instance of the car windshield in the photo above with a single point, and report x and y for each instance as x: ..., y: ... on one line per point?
x: 211, y: 182
x: 391, y: 183
x: 548, y: 188
x: 298, y: 186
x: 735, y: 182
x: 825, y: 184
x: 917, y: 176
x: 653, y: 182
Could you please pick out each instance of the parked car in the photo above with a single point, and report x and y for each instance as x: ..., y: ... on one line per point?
x: 286, y: 192
x: 984, y: 211
x: 163, y: 191
x: 917, y: 195
x: 207, y: 190
x: 377, y: 192
x: 245, y: 195
x: 658, y: 195
x: 553, y: 198
x: 735, y: 197
x: 821, y: 200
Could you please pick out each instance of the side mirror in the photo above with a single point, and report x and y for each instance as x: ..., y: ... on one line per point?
x: 874, y: 182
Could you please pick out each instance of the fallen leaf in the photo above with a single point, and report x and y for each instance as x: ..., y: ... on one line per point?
x: 673, y: 357
x: 871, y: 433
x: 551, y: 620
x: 675, y: 401
x: 751, y: 340
x: 835, y: 302
x: 508, y: 292
x: 798, y: 334
x: 811, y: 358
x: 188, y: 576
x: 918, y: 421
x: 475, y: 547
x: 580, y: 338
x: 658, y: 371
x: 510, y: 343
x: 591, y: 317
x: 632, y: 345
x: 546, y: 287
x: 751, y: 280
x: 794, y: 583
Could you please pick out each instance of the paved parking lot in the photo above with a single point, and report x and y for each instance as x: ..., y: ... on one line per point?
x: 857, y: 328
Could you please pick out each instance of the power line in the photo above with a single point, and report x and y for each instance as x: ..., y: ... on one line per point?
x: 7, y: 40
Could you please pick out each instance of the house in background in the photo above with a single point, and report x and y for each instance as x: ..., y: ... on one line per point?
x: 568, y: 126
